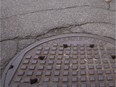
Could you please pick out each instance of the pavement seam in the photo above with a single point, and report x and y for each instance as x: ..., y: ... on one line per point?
x: 51, y: 30
x: 56, y: 9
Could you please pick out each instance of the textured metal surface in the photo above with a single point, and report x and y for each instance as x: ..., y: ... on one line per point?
x: 72, y: 60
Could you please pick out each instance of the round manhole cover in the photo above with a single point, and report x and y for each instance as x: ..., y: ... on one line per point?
x: 69, y: 60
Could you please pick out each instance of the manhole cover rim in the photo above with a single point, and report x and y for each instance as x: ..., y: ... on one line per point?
x: 22, y: 53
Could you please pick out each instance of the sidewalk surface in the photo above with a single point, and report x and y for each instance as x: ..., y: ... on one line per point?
x: 23, y: 22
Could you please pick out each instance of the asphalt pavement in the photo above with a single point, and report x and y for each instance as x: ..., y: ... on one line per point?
x: 23, y: 22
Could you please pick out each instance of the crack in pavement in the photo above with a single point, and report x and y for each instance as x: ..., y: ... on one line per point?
x: 53, y: 29
x: 95, y: 22
x: 56, y: 9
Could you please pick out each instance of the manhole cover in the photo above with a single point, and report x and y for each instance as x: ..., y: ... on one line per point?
x: 70, y: 60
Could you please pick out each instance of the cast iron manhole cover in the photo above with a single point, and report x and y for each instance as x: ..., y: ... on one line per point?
x: 70, y: 60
